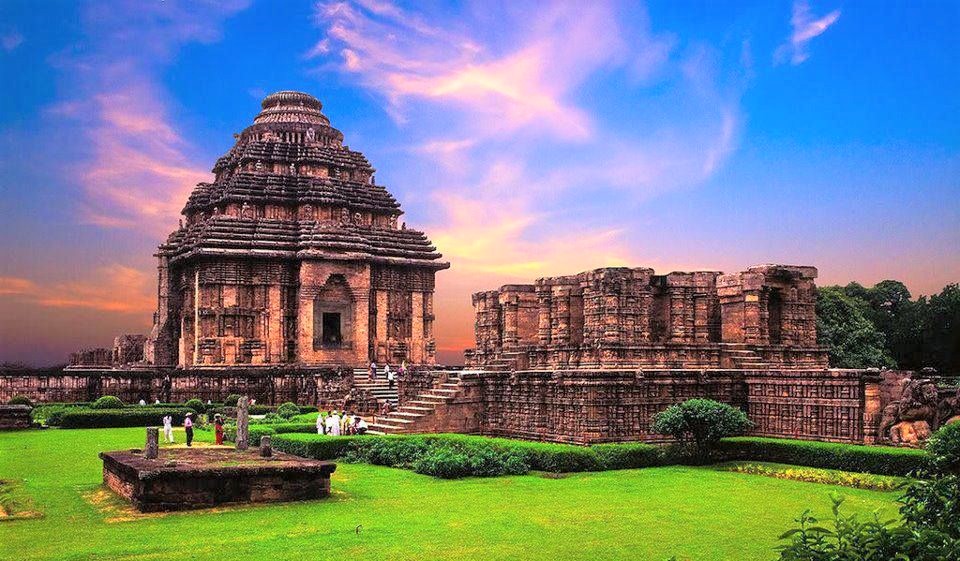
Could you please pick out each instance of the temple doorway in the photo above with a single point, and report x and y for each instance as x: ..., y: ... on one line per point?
x: 774, y: 316
x: 332, y: 337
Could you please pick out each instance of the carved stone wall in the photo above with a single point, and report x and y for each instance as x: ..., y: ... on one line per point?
x: 622, y: 317
x: 586, y: 406
x: 324, y: 386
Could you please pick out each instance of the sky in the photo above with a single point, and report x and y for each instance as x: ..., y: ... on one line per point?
x: 527, y: 139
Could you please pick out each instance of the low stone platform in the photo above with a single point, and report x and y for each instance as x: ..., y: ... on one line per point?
x: 14, y: 417
x: 190, y: 478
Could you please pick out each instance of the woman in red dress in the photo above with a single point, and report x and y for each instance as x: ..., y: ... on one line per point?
x: 218, y: 426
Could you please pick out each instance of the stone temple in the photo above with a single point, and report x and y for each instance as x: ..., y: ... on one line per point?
x: 293, y: 255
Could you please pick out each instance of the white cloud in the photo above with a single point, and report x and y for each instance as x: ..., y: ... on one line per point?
x: 805, y: 26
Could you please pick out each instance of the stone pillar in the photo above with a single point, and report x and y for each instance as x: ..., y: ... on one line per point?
x: 382, y: 337
x: 266, y: 449
x: 872, y: 407
x: 275, y: 337
x: 545, y: 304
x: 152, y: 448
x: 243, y: 423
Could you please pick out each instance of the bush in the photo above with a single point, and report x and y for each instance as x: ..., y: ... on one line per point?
x: 107, y: 402
x: 445, y: 462
x: 308, y: 409
x: 261, y: 409
x: 81, y: 418
x: 929, y: 530
x: 700, y: 423
x: 20, y: 400
x: 196, y: 405
x: 880, y: 460
x: 944, y: 447
x: 231, y: 400
x: 317, y: 447
x: 630, y: 455
x: 288, y: 410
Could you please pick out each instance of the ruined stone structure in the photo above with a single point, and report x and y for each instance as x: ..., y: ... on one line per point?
x: 621, y: 317
x: 293, y: 255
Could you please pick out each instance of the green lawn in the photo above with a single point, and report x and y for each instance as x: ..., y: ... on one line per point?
x: 693, y: 513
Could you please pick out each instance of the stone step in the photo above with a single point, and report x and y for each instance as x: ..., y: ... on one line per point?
x: 411, y: 415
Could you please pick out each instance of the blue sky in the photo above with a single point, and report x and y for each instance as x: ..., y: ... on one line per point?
x: 526, y: 138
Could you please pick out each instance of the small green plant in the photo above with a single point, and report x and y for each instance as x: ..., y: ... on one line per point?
x: 700, y: 424
x: 196, y: 405
x: 288, y: 410
x: 107, y: 402
x: 21, y: 400
x: 231, y: 400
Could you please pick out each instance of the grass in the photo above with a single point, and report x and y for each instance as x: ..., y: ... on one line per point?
x: 654, y: 513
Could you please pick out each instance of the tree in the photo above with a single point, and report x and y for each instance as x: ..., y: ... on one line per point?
x: 843, y: 326
x: 941, y: 341
x: 700, y: 423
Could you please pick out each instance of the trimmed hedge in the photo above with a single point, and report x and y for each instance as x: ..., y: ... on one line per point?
x: 107, y: 402
x: 114, y: 418
x: 879, y: 460
x: 456, y: 455
x: 318, y: 447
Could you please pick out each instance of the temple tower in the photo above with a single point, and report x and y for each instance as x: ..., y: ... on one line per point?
x: 293, y: 255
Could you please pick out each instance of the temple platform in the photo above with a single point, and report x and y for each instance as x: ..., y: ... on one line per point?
x: 183, y: 478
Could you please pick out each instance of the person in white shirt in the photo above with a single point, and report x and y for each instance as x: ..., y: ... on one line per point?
x: 333, y: 424
x: 142, y: 403
x: 168, y: 428
x: 361, y: 426
x: 321, y: 427
x: 390, y: 377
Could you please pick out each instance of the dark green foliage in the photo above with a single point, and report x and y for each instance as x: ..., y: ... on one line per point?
x: 944, y: 446
x: 196, y: 405
x: 314, y: 446
x: 881, y: 326
x: 288, y: 410
x: 629, y: 455
x: 843, y: 326
x: 20, y: 400
x: 455, y: 455
x: 261, y: 409
x: 308, y: 409
x: 258, y: 430
x: 879, y: 460
x: 929, y: 530
x: 82, y: 418
x: 700, y: 424
x: 231, y: 400
x: 107, y: 402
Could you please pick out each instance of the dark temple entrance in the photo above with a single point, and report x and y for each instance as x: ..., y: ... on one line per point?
x: 774, y: 317
x: 332, y: 338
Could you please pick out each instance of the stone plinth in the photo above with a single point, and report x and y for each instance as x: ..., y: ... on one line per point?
x: 14, y: 417
x: 182, y: 479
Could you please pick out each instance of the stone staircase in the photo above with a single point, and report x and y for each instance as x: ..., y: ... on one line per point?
x: 742, y: 357
x: 379, y: 388
x: 416, y: 415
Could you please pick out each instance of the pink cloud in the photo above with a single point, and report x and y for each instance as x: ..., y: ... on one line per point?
x: 805, y: 28
x: 115, y: 288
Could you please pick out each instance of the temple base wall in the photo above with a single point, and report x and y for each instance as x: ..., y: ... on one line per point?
x: 322, y: 386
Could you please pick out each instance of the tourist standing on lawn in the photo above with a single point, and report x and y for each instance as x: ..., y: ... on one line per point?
x: 218, y: 427
x: 321, y: 425
x: 168, y: 428
x: 333, y: 424
x: 188, y: 427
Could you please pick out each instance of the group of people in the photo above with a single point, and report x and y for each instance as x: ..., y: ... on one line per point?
x: 388, y: 372
x: 188, y: 428
x: 337, y: 424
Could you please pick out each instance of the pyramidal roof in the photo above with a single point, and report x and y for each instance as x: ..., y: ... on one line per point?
x: 290, y: 188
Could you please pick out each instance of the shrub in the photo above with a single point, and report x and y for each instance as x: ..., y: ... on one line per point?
x: 308, y: 409
x: 944, y: 447
x: 107, y: 402
x: 288, y: 410
x: 880, y: 460
x: 260, y: 409
x: 79, y: 418
x: 444, y: 462
x: 196, y: 405
x: 20, y: 400
x: 700, y: 423
x: 929, y: 530
x: 818, y: 475
x: 630, y: 455
x: 317, y: 447
x: 231, y: 400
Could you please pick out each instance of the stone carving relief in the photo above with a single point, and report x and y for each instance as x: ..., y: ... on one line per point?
x: 911, y: 419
